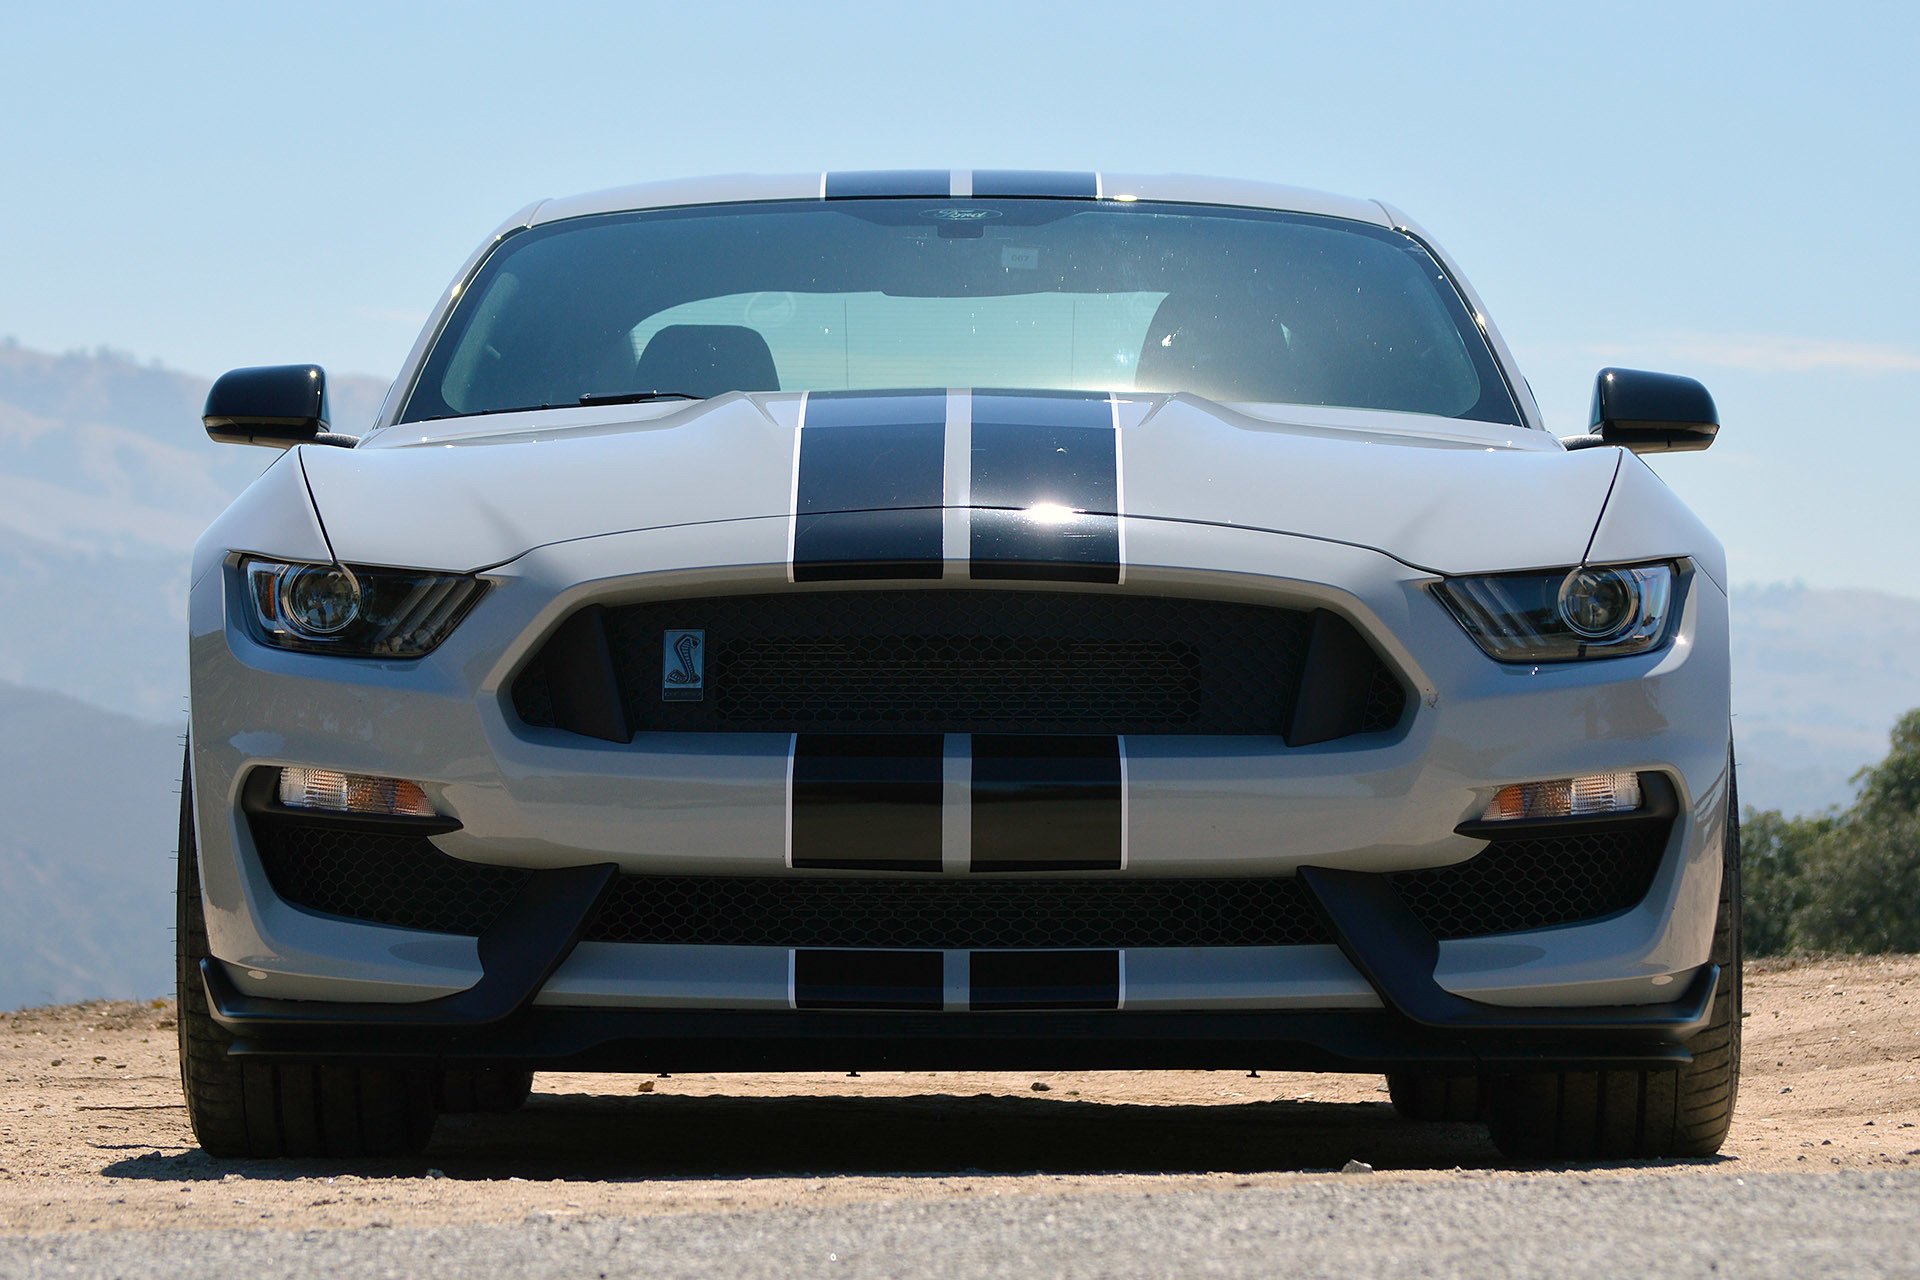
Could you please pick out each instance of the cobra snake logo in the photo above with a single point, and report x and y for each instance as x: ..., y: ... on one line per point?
x: 684, y: 649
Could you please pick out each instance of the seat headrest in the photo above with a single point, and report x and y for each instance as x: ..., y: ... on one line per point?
x: 706, y: 360
x: 1208, y: 347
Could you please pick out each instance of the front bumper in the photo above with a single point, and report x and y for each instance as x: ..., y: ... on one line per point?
x: 715, y: 804
x: 495, y: 1021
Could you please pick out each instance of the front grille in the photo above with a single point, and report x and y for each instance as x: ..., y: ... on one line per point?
x: 1514, y: 885
x: 963, y: 661
x: 380, y: 878
x: 959, y: 913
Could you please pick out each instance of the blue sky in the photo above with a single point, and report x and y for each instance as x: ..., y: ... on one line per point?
x: 1715, y: 189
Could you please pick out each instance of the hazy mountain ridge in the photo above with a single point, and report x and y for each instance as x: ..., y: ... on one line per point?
x: 86, y: 853
x: 106, y: 480
x: 1819, y: 677
x: 102, y: 453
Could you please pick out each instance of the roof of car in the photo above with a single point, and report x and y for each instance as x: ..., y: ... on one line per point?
x: 1177, y: 188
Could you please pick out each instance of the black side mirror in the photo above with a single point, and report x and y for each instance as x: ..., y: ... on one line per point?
x: 274, y: 405
x: 1653, y: 412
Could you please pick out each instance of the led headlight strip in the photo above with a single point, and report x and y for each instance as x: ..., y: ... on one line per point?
x: 1562, y: 615
x: 354, y: 611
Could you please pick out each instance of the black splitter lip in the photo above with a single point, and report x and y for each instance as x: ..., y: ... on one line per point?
x: 1419, y: 1022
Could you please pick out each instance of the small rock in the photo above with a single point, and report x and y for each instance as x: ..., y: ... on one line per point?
x: 1356, y: 1166
x: 57, y: 1061
x: 436, y: 1173
x: 645, y: 1086
x: 1041, y: 1086
x: 1787, y: 1089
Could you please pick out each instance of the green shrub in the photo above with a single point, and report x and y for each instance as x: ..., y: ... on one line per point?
x: 1862, y: 888
x: 1846, y: 880
x: 1773, y: 854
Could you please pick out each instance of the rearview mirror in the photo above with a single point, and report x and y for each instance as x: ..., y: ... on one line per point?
x: 274, y: 405
x: 1653, y: 412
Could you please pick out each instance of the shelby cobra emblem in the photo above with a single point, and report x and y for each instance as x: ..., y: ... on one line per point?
x: 683, y: 666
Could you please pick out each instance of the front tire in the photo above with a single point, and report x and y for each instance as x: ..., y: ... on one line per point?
x: 1583, y: 1115
x: 260, y: 1109
x: 486, y: 1091
x: 1444, y: 1099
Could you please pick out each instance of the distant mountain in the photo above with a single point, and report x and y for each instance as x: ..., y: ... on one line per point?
x: 106, y: 480
x: 1819, y: 677
x: 86, y: 851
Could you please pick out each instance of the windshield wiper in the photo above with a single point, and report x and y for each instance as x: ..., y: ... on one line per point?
x: 635, y: 397
x: 481, y: 413
x: 626, y: 397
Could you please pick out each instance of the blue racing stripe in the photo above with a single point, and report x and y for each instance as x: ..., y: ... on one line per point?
x: 1045, y: 487
x: 866, y: 802
x: 1047, y: 802
x: 869, y: 486
x: 831, y: 979
x: 1047, y: 183
x: 868, y: 184
x: 1043, y: 980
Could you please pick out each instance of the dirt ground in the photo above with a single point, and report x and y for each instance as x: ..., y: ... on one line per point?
x: 93, y: 1133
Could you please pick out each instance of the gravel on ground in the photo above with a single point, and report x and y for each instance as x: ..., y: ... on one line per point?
x: 93, y: 1136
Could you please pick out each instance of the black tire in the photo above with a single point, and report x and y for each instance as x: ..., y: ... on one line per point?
x: 1447, y: 1099
x: 256, y: 1109
x: 484, y: 1091
x: 1584, y: 1115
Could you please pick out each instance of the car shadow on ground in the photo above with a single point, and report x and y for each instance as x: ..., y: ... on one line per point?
x: 654, y: 1136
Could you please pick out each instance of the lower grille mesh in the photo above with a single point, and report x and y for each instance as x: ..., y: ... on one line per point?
x: 1514, y: 885
x: 382, y: 879
x: 959, y: 913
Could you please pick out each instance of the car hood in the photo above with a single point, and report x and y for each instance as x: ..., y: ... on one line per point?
x: 1439, y: 494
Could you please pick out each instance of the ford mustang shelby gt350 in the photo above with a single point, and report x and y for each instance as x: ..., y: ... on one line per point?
x: 959, y: 619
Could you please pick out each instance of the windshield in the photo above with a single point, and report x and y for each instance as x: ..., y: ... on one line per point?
x: 1237, y: 305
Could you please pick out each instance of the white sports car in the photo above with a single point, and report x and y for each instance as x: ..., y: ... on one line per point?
x: 959, y: 619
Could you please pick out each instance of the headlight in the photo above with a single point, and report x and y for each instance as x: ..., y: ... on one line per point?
x: 354, y: 611
x: 1594, y: 611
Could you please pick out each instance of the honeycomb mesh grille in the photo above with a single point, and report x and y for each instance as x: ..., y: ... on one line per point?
x: 951, y: 661
x: 382, y: 879
x: 960, y: 913
x: 1514, y: 885
x: 1386, y: 700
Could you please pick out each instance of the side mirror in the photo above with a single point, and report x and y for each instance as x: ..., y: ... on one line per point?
x: 1653, y: 412
x: 277, y: 406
